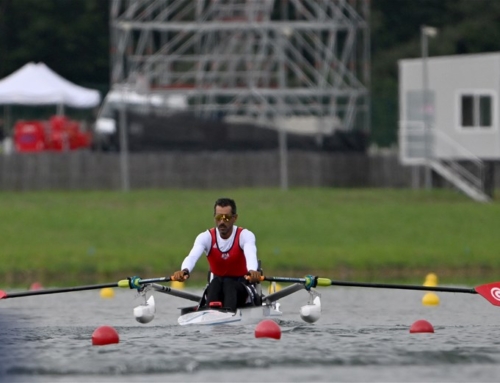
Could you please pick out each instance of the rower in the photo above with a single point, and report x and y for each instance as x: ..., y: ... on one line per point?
x: 232, y: 256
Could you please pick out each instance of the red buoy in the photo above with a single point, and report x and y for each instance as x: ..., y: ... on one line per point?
x: 421, y: 326
x: 36, y: 286
x: 104, y: 335
x: 268, y: 329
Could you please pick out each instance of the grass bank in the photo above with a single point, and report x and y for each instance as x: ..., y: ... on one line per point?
x: 65, y: 238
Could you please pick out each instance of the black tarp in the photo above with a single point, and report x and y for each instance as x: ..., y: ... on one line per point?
x: 184, y: 132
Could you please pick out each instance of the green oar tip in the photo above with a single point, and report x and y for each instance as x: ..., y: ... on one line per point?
x: 123, y: 283
x: 324, y: 282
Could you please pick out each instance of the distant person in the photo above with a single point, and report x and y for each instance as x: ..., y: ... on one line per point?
x: 232, y: 256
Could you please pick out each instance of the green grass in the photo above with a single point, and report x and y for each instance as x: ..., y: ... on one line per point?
x: 378, y: 234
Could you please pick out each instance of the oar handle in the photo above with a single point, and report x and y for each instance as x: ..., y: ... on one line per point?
x: 157, y: 280
x: 136, y: 282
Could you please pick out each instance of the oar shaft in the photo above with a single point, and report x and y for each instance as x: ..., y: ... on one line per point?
x: 329, y: 282
x: 156, y: 280
x: 402, y: 287
x: 62, y: 290
x: 124, y: 283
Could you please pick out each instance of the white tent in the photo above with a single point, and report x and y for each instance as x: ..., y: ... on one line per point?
x: 37, y: 84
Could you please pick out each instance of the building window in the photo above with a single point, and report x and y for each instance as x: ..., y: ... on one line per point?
x: 476, y: 110
x: 467, y: 111
x: 485, y: 111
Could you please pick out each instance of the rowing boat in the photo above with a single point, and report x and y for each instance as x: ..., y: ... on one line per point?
x: 270, y: 309
x: 204, y: 315
x: 244, y: 316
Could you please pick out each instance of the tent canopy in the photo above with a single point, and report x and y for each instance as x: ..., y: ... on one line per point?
x: 37, y: 84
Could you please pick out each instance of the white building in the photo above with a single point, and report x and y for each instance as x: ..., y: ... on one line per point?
x: 452, y: 127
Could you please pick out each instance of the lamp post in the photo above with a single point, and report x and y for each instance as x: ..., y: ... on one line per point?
x: 123, y: 134
x: 425, y: 33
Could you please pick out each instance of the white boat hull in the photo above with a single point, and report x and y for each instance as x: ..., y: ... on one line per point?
x: 246, y: 315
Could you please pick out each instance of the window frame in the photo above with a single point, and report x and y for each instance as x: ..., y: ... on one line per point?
x: 476, y: 95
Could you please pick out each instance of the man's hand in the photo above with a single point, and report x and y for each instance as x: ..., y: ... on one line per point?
x: 181, y: 275
x: 254, y: 276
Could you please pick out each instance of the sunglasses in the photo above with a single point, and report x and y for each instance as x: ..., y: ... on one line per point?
x: 224, y: 217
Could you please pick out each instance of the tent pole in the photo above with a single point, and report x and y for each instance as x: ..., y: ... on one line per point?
x: 6, y: 121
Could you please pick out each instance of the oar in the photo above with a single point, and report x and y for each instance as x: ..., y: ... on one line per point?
x: 490, y: 291
x: 134, y: 282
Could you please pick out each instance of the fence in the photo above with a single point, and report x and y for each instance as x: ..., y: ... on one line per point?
x: 201, y: 170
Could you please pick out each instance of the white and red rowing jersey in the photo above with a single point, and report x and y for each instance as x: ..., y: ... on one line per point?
x: 230, y: 263
x: 233, y: 256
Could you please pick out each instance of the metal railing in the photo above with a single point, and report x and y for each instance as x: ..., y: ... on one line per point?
x: 460, y: 160
x: 436, y: 149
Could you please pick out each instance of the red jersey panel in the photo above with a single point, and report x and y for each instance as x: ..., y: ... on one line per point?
x: 227, y: 264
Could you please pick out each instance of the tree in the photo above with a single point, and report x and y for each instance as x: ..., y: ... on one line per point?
x: 70, y: 36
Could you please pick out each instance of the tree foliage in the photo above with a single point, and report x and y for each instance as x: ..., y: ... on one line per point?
x: 70, y: 36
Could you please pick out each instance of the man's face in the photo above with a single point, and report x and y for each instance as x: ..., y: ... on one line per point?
x: 224, y: 220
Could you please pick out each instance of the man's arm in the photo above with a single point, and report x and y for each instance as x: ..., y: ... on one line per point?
x: 200, y: 246
x: 247, y: 243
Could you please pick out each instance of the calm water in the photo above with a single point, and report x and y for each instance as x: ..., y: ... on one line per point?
x: 362, y: 336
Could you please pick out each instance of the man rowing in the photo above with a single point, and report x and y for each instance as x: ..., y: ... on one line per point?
x: 232, y: 256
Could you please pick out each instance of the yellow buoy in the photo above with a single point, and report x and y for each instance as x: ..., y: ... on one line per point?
x: 273, y: 287
x: 430, y: 299
x: 177, y: 285
x: 107, y: 292
x: 431, y: 280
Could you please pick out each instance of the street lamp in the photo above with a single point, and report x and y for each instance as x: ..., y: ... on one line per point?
x: 425, y: 33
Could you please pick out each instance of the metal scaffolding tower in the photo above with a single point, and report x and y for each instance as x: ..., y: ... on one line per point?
x: 261, y: 60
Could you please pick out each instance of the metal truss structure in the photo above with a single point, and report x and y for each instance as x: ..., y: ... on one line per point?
x: 259, y: 60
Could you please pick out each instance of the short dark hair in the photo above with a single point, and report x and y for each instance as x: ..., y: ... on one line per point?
x: 226, y: 202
